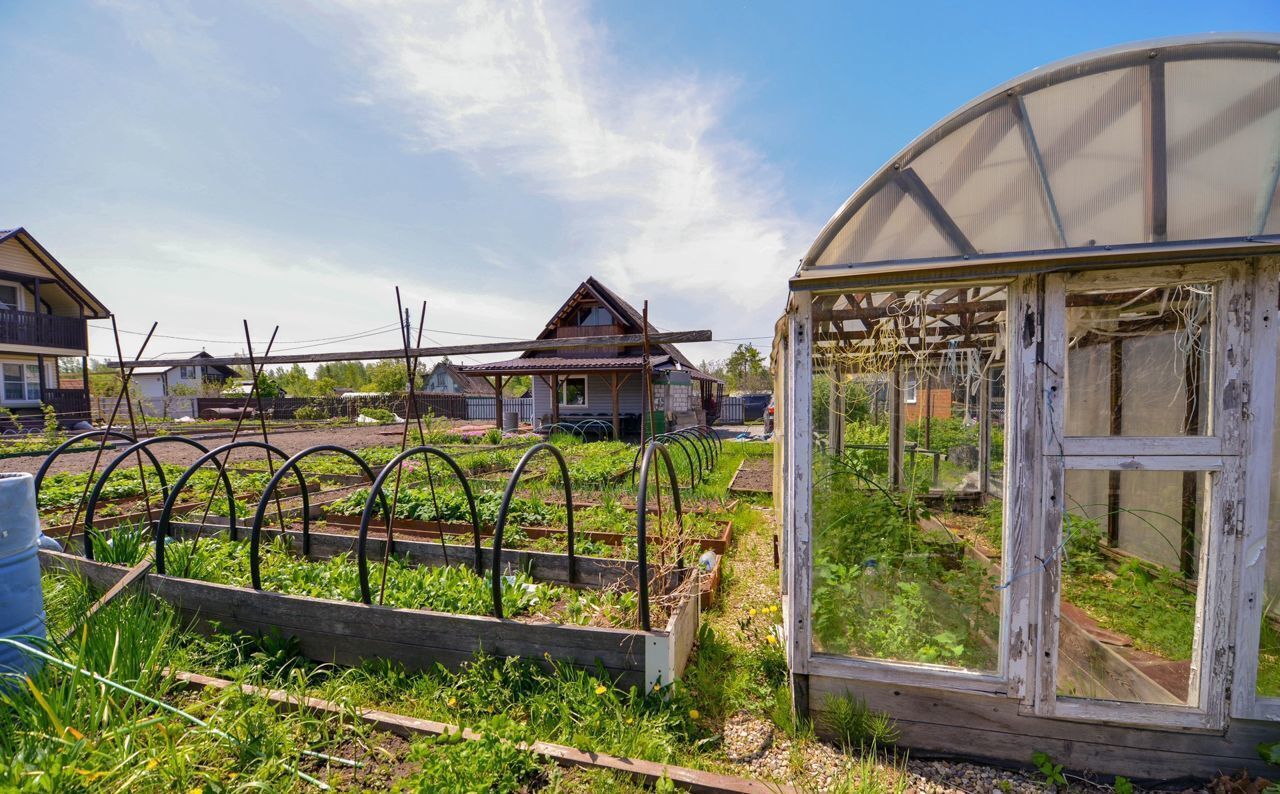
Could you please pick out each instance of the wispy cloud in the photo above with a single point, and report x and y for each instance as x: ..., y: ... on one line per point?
x: 659, y: 199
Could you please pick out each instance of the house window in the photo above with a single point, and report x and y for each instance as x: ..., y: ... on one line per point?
x: 9, y: 296
x: 910, y: 390
x: 21, y: 382
x: 573, y: 391
x: 187, y: 373
x: 595, y: 316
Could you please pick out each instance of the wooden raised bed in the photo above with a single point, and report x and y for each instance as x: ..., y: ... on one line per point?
x: 741, y: 483
x: 347, y: 633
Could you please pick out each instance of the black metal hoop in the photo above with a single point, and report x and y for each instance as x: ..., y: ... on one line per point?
x: 506, y: 504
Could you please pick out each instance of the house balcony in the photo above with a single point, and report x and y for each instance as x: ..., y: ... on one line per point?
x: 584, y: 331
x: 30, y: 329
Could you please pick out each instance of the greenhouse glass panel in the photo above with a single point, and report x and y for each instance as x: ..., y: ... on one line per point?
x: 1223, y: 120
x: 1139, y: 360
x: 981, y: 174
x: 1089, y: 132
x: 894, y: 578
x: 890, y: 225
x: 1127, y: 626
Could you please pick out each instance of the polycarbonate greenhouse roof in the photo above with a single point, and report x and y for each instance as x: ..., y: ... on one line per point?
x: 1168, y: 143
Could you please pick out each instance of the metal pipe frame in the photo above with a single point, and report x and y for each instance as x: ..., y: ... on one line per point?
x: 642, y: 497
x: 166, y: 512
x: 255, y: 536
x: 376, y: 490
x: 507, y: 494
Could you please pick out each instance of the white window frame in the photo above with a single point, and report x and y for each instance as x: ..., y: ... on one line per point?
x: 910, y: 390
x: 564, y: 387
x: 27, y: 383
x: 1245, y: 702
x: 1218, y: 454
x: 1013, y: 663
x: 20, y: 291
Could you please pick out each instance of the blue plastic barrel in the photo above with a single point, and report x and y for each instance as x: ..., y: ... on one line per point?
x: 21, y: 600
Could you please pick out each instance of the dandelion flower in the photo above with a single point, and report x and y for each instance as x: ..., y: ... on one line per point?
x: 601, y: 689
x: 693, y: 714
x: 631, y: 720
x: 453, y: 702
x: 752, y: 612
x: 152, y: 763
x: 657, y: 687
x: 772, y: 640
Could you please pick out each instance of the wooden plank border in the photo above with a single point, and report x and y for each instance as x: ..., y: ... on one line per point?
x: 688, y: 779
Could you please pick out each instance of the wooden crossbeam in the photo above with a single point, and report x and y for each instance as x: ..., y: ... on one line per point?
x: 621, y: 340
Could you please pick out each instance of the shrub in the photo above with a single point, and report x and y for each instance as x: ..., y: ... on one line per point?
x: 379, y: 414
x: 310, y: 413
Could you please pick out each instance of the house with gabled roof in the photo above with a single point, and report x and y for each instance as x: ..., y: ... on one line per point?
x: 607, y: 384
x: 446, y: 377
x: 44, y: 314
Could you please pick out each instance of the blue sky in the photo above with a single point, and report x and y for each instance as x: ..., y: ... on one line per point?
x: 199, y: 163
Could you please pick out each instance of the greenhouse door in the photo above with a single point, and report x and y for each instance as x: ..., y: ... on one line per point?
x: 1142, y: 492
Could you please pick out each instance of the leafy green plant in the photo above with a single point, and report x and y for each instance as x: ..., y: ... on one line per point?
x: 1122, y: 785
x: 497, y: 762
x: 1051, y: 772
x: 310, y: 412
x: 379, y: 414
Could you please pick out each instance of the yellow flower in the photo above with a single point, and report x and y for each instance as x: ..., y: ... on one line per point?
x: 657, y: 687
x: 601, y: 689
x: 196, y: 790
x: 453, y: 702
x: 631, y: 720
x: 693, y: 714
x: 152, y: 763
x: 772, y: 640
x: 752, y: 612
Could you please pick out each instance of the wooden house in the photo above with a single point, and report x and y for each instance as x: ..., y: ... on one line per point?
x: 44, y: 311
x: 605, y: 386
x: 191, y: 377
x: 447, y: 378
x: 1096, y: 247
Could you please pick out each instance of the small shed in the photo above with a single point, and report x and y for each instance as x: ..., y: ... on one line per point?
x: 1081, y: 556
x: 606, y: 385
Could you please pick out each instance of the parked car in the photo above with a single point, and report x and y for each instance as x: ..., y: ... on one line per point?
x: 753, y: 405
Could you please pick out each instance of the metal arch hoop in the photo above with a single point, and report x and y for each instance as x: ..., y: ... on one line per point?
x: 506, y: 504
x: 696, y: 433
x: 700, y: 444
x: 642, y: 509
x: 139, y: 446
x: 713, y: 439
x: 572, y: 428
x: 683, y: 444
x: 255, y: 535
x: 70, y: 442
x: 376, y: 490
x: 162, y: 529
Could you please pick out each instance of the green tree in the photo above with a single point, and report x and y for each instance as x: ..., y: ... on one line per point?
x: 387, y: 375
x: 745, y: 370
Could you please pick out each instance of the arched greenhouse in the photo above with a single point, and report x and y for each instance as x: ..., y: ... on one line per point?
x: 1027, y: 407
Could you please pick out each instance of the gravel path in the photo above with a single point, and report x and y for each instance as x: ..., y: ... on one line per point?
x: 289, y: 441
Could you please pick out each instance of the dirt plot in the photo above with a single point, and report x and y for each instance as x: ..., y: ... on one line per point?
x: 755, y: 476
x: 289, y: 441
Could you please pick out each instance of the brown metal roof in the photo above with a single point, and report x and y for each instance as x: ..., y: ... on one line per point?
x: 561, y: 364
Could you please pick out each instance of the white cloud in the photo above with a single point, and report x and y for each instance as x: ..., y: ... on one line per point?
x: 214, y: 278
x: 527, y: 91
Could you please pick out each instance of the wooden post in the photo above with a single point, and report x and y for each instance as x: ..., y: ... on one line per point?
x: 984, y: 434
x: 84, y: 385
x: 835, y: 413
x: 555, y: 398
x: 1117, y: 406
x: 896, y: 434
x: 613, y: 387
x: 497, y: 401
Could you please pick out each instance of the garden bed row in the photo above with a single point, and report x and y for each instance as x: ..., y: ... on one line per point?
x: 347, y: 633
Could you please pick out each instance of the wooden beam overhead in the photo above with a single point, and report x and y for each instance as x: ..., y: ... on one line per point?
x: 624, y: 340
